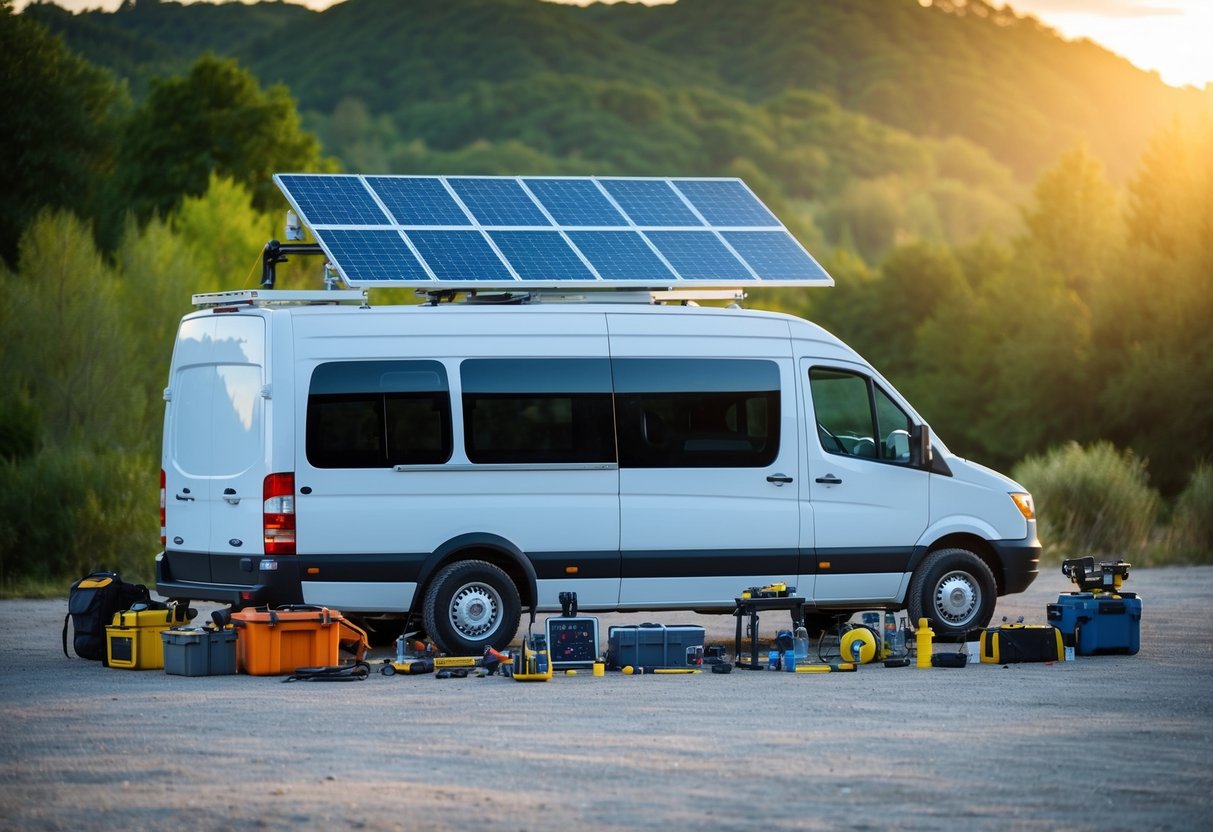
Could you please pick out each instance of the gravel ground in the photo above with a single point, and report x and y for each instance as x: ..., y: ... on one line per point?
x: 1101, y: 743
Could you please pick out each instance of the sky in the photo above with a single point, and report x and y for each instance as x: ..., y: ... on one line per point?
x: 1174, y: 37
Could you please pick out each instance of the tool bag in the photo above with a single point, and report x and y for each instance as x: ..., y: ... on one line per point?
x: 1012, y: 643
x: 91, y: 604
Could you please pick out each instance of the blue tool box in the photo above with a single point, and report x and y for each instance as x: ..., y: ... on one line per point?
x: 655, y: 645
x: 1098, y: 622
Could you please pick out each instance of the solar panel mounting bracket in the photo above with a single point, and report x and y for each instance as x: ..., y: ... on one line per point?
x: 604, y: 295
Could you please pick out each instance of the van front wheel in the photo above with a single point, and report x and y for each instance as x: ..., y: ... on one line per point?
x: 955, y: 589
x: 470, y: 605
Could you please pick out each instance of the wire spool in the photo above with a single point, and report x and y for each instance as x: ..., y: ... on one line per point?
x: 867, y: 644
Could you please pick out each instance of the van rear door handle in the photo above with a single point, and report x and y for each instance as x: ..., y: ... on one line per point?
x: 779, y: 479
x: 185, y: 498
x: 229, y: 496
x: 829, y: 479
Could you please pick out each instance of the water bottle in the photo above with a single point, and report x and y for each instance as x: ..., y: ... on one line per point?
x: 800, y: 644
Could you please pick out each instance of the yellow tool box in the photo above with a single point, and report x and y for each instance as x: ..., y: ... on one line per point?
x: 132, y: 640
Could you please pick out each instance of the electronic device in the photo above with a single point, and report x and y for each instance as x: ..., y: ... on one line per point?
x: 572, y: 641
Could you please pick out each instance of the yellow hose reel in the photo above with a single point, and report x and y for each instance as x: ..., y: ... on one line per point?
x: 866, y: 641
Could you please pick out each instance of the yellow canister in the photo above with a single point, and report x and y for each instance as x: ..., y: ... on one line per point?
x: 923, y: 640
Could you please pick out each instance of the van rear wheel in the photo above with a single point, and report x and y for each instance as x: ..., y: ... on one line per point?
x: 955, y: 590
x: 471, y: 605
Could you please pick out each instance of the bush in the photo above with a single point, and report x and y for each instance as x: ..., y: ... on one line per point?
x: 1190, y: 537
x: 1091, y: 501
x: 67, y: 511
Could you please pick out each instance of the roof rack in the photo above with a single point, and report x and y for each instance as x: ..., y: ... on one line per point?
x: 281, y: 297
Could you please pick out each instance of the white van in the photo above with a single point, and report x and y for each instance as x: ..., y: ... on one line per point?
x: 462, y: 461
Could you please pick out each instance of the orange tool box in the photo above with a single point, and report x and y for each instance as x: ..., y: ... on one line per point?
x: 274, y: 642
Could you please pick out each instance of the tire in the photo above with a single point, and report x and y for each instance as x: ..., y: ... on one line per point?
x: 471, y: 605
x: 955, y: 590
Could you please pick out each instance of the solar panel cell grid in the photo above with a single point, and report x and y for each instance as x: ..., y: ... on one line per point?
x: 650, y: 202
x: 575, y: 202
x: 773, y: 255
x: 621, y: 255
x: 459, y: 255
x: 334, y: 200
x: 497, y: 202
x: 371, y: 255
x: 699, y: 255
x: 418, y: 200
x: 536, y: 255
x: 726, y: 203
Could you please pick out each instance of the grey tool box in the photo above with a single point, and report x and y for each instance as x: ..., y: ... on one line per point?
x: 198, y: 652
x: 655, y: 645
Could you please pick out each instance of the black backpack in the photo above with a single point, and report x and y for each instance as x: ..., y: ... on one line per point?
x: 91, y: 605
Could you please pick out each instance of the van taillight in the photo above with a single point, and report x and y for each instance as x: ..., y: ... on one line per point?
x: 163, y: 538
x: 278, y: 518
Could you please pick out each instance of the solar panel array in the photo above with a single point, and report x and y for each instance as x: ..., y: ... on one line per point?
x: 525, y: 232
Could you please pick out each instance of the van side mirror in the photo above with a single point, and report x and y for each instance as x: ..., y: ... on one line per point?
x: 920, y: 446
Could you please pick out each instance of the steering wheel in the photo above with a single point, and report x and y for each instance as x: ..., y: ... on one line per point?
x: 829, y: 441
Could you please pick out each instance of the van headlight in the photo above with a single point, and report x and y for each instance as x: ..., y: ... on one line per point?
x: 1023, y: 502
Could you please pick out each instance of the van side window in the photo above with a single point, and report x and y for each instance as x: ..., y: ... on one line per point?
x: 377, y: 414
x: 696, y: 413
x: 537, y: 410
x: 856, y: 418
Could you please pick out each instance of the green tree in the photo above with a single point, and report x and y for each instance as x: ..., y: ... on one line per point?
x: 1153, y: 326
x: 60, y: 114
x: 66, y: 343
x: 1074, y: 228
x: 218, y: 120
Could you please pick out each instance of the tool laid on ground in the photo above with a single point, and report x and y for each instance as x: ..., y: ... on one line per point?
x: 531, y: 662
x: 1099, y: 618
x: 834, y: 667
x: 412, y: 658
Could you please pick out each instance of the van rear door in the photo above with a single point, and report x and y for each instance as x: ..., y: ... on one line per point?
x: 215, y: 457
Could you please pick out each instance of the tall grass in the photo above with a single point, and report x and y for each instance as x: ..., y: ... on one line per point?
x: 1092, y: 501
x: 1190, y: 536
x: 66, y: 511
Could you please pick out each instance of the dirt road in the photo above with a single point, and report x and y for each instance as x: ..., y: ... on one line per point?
x: 1101, y: 743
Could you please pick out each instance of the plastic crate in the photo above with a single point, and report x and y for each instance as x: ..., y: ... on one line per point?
x: 199, y: 652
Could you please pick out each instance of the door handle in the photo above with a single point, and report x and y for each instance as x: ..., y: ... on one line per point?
x: 185, y: 498
x: 829, y: 479
x: 779, y: 479
x: 229, y: 496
